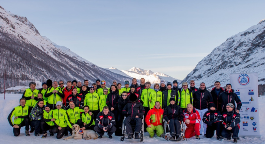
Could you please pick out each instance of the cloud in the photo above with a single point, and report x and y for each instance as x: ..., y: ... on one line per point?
x: 176, y: 55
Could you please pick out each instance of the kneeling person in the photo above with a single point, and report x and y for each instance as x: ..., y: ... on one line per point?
x: 192, y: 120
x: 87, y: 117
x: 47, y: 122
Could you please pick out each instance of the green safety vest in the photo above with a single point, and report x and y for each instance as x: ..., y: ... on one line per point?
x: 92, y: 100
x: 87, y: 118
x: 125, y: 89
x: 54, y: 98
x: 28, y: 93
x: 155, y: 96
x: 43, y: 92
x: 102, y: 101
x: 74, y: 114
x: 100, y: 91
x: 145, y: 96
x: 19, y: 111
x: 61, y: 118
x: 184, y: 98
x: 48, y: 116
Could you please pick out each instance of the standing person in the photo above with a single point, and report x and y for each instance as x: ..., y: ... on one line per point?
x: 141, y: 87
x: 216, y: 92
x: 61, y: 85
x: 92, y: 100
x: 119, y: 88
x: 88, y: 122
x: 103, y: 99
x: 95, y: 87
x: 192, y: 120
x: 154, y: 119
x: 103, y: 86
x: 231, y: 121
x: 36, y: 115
x: 134, y: 82
x: 68, y: 90
x: 175, y: 90
x: 123, y: 100
x: 74, y: 83
x: 174, y: 116
x: 163, y: 86
x: 98, y: 83
x: 54, y: 95
x: 21, y: 118
x: 114, y: 82
x: 49, y: 83
x: 167, y: 95
x: 105, y: 122
x: 86, y: 83
x: 84, y: 91
x: 47, y: 122
x: 79, y: 87
x: 43, y: 90
x: 201, y: 99
x: 192, y: 87
x: 126, y: 88
x: 134, y: 112
x: 60, y: 120
x: 75, y: 98
x: 31, y: 95
x: 213, y: 119
x: 145, y: 99
x: 155, y: 96
x: 229, y: 97
x: 133, y: 91
x: 175, y: 86
x: 185, y: 96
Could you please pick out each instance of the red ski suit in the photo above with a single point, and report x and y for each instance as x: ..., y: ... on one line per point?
x: 193, y: 128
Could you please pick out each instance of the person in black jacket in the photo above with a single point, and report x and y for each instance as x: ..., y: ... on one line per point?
x: 231, y: 121
x: 134, y: 112
x: 36, y: 115
x: 163, y: 86
x: 192, y: 87
x: 213, y: 119
x: 216, y: 92
x: 133, y: 91
x: 75, y: 98
x: 141, y: 87
x: 167, y: 95
x: 201, y: 99
x: 123, y: 100
x: 105, y: 122
x: 229, y: 97
x: 173, y: 115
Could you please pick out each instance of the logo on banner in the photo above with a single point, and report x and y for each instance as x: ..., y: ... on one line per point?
x: 255, y: 129
x: 246, y: 110
x: 245, y: 102
x: 243, y: 79
x: 244, y: 129
x: 245, y: 123
x: 237, y: 92
x: 246, y: 117
x: 250, y: 92
x: 254, y: 109
x: 251, y: 99
x: 252, y: 118
x: 254, y: 123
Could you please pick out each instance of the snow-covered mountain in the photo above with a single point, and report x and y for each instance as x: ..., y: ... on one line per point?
x: 138, y: 73
x: 26, y: 55
x: 241, y: 53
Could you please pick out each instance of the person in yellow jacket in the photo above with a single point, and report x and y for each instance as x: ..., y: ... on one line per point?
x: 100, y: 90
x: 43, y: 90
x: 185, y: 96
x: 60, y: 120
x: 31, y: 95
x: 92, y: 100
x: 54, y: 95
x: 102, y: 100
x: 155, y: 96
x: 119, y: 88
x: 48, y: 121
x: 145, y: 99
x: 126, y: 88
x: 73, y: 114
x: 40, y: 97
x: 21, y: 118
x: 88, y: 122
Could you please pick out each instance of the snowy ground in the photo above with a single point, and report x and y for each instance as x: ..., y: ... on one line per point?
x: 6, y: 133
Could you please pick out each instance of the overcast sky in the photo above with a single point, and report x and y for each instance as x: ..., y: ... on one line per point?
x: 163, y: 36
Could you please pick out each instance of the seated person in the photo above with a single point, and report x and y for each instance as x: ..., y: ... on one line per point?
x: 154, y: 120
x: 47, y: 122
x: 173, y: 116
x: 87, y: 118
x: 192, y: 120
x: 21, y: 119
x: 134, y: 112
x: 212, y: 118
x: 105, y: 122
x: 231, y: 120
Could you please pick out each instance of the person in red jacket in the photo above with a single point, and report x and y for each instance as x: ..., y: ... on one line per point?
x: 68, y: 90
x: 154, y: 120
x: 192, y: 120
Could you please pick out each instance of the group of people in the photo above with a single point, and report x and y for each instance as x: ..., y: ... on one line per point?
x: 56, y: 109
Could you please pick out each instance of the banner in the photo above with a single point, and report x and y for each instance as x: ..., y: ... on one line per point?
x: 246, y: 88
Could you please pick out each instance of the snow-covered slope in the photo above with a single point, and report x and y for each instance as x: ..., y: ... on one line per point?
x: 138, y: 73
x: 26, y: 55
x: 241, y: 53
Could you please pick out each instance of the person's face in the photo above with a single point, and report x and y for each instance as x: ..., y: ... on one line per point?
x: 157, y: 105
x: 217, y: 85
x: 40, y: 96
x: 229, y: 109
x: 86, y: 109
x: 157, y: 87
x: 98, y: 82
x: 113, y: 88
x: 47, y: 109
x: 91, y: 90
x: 172, y: 102
x: 147, y: 86
x: 86, y: 83
x: 61, y: 83
x: 124, y: 95
x: 74, y: 84
x: 32, y: 86
x: 189, y: 108
x: 105, y: 111
x: 103, y: 85
x: 119, y: 86
x: 132, y: 89
x: 44, y: 86
x: 202, y: 86
x: 105, y: 92
x: 212, y: 108
x: 163, y: 85
x: 69, y: 85
x: 55, y: 84
x: 22, y: 102
x: 41, y: 104
x: 185, y: 87
x: 175, y: 84
x: 84, y: 88
x: 79, y: 84
x: 58, y: 106
x: 142, y: 81
x: 192, y: 84
x: 169, y: 87
x: 228, y: 87
x: 134, y: 81
x: 95, y: 86
x: 114, y: 83
x: 126, y: 85
x: 72, y: 105
x: 74, y: 91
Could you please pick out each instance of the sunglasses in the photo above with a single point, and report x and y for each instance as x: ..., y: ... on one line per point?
x: 60, y: 83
